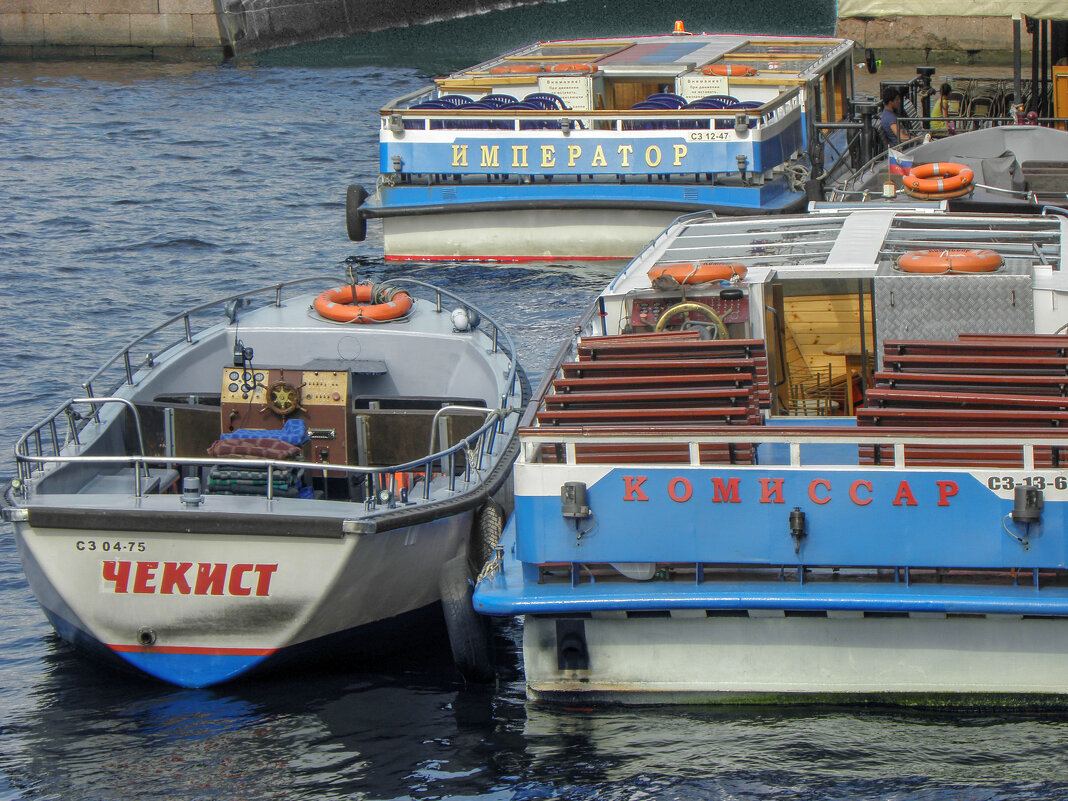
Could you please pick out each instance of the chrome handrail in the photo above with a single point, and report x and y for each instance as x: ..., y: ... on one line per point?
x: 31, y: 458
x: 483, y: 438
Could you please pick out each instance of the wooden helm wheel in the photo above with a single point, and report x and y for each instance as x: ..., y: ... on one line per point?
x: 283, y: 398
x: 718, y: 327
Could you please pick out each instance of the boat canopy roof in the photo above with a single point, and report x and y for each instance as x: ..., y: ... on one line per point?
x: 784, y: 56
x: 842, y: 241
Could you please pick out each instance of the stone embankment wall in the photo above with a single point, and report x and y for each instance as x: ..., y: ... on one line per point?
x: 165, y: 29
x: 935, y: 40
x: 214, y: 29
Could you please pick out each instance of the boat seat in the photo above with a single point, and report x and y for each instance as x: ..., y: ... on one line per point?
x: 1029, y: 418
x: 725, y: 415
x: 651, y: 398
x: 1046, y: 177
x: 593, y: 349
x: 971, y: 382
x: 653, y: 367
x: 673, y: 100
x: 122, y: 482
x: 387, y: 437
x: 550, y: 100
x: 886, y: 397
x: 981, y: 365
x: 602, y: 383
x: 989, y: 346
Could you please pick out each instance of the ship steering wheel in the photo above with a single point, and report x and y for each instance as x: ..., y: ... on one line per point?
x: 712, y: 327
x: 283, y: 398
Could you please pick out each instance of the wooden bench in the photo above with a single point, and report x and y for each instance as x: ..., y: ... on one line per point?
x: 655, y: 368
x: 603, y: 383
x: 727, y: 415
x: 980, y: 365
x: 1020, y: 384
x: 935, y: 418
x: 685, y: 397
x: 980, y: 346
x: 630, y: 347
x: 885, y: 397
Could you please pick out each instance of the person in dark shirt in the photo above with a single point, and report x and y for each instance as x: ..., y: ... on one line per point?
x: 888, y: 119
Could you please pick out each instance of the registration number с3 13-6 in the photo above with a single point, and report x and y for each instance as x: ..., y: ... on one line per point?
x: 1038, y: 482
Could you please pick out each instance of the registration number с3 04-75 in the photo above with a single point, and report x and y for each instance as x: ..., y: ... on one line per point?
x: 110, y: 546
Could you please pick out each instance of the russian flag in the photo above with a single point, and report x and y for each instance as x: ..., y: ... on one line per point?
x: 900, y: 164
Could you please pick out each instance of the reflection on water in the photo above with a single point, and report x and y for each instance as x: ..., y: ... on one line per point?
x: 452, y: 44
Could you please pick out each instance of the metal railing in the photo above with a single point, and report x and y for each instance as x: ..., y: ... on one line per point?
x: 53, y: 439
x: 898, y: 440
x: 393, y: 117
x: 32, y: 456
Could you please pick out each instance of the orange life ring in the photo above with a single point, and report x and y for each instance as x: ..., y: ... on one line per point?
x: 517, y: 68
x: 949, y: 261
x: 574, y: 68
x: 346, y: 306
x: 938, y: 177
x: 698, y: 272
x: 730, y: 70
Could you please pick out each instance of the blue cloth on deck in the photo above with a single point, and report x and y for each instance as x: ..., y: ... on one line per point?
x: 295, y: 432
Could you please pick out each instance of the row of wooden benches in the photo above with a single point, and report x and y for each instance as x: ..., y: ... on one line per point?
x: 1005, y: 382
x: 669, y: 377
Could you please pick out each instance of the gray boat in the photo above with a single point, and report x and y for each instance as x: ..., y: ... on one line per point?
x: 1017, y: 169
x: 307, y: 474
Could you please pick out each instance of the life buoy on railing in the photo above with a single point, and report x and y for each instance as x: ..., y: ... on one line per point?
x: 574, y: 68
x: 935, y: 262
x: 698, y: 272
x: 518, y: 68
x: 363, y: 303
x: 938, y: 178
x: 730, y: 70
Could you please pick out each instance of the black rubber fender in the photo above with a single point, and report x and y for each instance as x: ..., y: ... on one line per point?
x: 489, y: 525
x: 355, y: 222
x: 468, y: 631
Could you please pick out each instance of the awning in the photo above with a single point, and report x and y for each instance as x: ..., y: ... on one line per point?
x: 1036, y: 9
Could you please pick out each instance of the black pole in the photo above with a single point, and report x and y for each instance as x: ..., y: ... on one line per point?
x: 1044, y: 110
x: 1017, y: 57
x: 1034, y: 25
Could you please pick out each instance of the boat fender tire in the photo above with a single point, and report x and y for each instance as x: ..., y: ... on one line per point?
x: 468, y: 631
x: 355, y: 222
x: 490, y: 525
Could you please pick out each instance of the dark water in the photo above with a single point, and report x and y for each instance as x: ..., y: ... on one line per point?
x: 128, y: 192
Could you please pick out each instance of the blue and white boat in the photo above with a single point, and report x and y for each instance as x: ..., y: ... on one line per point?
x: 806, y: 457
x: 586, y: 149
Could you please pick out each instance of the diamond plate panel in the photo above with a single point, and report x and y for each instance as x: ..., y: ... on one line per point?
x: 911, y: 306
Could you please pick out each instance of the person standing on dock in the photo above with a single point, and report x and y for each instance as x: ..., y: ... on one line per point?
x: 888, y: 119
x: 940, y: 112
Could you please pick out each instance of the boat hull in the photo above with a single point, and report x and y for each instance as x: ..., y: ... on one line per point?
x: 573, y: 235
x: 526, y: 224
x: 197, y: 610
x: 761, y: 656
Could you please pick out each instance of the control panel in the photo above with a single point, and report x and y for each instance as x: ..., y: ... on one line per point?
x: 266, y: 398
x: 646, y: 311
